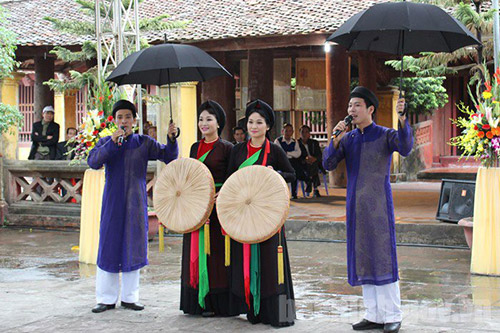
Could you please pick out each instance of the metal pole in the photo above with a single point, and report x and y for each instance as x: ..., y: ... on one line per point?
x: 496, y: 34
x: 137, y: 48
x: 98, y: 35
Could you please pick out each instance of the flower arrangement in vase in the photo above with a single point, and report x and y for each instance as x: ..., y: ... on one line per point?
x: 480, y: 128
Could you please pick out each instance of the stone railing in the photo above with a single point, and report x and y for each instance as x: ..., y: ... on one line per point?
x: 48, y: 193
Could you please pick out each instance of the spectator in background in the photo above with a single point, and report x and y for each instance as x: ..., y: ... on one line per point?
x: 312, y: 162
x: 239, y: 135
x: 145, y: 126
x: 63, y: 148
x: 295, y: 154
x: 44, y: 136
x: 152, y: 132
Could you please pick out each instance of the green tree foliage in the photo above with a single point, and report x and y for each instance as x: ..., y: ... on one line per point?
x: 86, y: 27
x: 424, y: 94
x: 10, y: 116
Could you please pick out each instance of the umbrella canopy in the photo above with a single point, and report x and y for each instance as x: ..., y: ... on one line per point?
x: 165, y: 64
x: 403, y: 28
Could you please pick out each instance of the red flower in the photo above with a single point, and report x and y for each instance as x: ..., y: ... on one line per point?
x: 103, y: 125
x: 477, y: 107
x: 110, y: 96
x: 480, y: 134
x: 475, y: 127
x: 100, y: 113
x: 95, y: 132
x: 89, y: 143
x: 101, y: 98
x: 486, y: 127
x: 488, y: 86
x: 489, y: 135
x: 110, y: 118
x: 497, y: 75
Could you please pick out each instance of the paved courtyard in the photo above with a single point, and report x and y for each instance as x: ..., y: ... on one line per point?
x: 43, y: 288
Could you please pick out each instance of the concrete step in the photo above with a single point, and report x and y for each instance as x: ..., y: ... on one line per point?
x: 433, y: 234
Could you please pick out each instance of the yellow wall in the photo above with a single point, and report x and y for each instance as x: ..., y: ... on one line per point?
x: 184, y: 110
x: 59, y: 113
x: 387, y: 116
x: 10, y: 90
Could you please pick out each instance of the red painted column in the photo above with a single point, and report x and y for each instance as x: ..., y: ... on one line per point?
x: 221, y: 90
x: 338, y: 76
x: 367, y: 70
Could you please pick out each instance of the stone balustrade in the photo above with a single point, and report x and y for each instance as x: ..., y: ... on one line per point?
x: 48, y: 193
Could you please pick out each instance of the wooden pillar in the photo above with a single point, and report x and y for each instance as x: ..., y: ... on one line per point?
x: 221, y: 90
x: 44, y: 71
x: 367, y: 70
x: 338, y: 77
x: 260, y: 77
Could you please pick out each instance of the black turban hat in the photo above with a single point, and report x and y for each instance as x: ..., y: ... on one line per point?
x: 123, y: 104
x: 365, y: 94
x: 218, y: 111
x: 262, y: 108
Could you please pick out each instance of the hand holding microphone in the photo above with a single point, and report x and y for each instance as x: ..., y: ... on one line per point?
x: 341, y: 126
x: 121, y: 138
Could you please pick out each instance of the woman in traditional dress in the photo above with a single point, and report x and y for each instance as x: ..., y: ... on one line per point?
x: 268, y: 301
x: 205, y: 277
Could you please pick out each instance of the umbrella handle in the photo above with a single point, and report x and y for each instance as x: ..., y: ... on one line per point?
x: 178, y: 130
x: 405, y: 111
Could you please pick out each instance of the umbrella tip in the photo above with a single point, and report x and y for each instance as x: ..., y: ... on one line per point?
x: 165, y: 38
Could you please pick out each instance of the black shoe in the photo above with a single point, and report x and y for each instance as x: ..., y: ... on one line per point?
x: 392, y: 327
x: 208, y: 314
x: 294, y: 196
x: 133, y: 306
x: 309, y: 188
x: 102, y: 307
x: 366, y: 325
x: 316, y: 194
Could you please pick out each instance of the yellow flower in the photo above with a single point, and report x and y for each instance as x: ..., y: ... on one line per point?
x: 487, y: 94
x: 105, y: 132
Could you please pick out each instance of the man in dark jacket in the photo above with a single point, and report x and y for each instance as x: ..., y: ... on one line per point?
x: 45, y: 135
x: 312, y: 163
x: 63, y: 148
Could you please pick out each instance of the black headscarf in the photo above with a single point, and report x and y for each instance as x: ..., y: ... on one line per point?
x: 218, y: 112
x: 262, y: 108
x: 123, y: 104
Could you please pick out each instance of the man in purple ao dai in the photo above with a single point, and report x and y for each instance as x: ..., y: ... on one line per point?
x: 371, y: 241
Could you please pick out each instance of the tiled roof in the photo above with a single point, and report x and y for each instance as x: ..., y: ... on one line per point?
x: 210, y: 19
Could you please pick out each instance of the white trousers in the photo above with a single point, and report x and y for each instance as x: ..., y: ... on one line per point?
x: 382, y: 303
x: 107, y: 286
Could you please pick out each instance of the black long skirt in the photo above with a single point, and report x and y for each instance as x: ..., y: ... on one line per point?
x: 277, y: 302
x: 219, y: 300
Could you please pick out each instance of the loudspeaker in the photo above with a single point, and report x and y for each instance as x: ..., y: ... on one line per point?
x: 456, y: 200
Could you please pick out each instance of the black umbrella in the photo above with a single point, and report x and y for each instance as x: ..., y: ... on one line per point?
x: 167, y: 64
x: 403, y: 28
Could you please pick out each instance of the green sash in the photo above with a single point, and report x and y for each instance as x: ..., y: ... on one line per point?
x: 204, y: 286
x: 255, y: 250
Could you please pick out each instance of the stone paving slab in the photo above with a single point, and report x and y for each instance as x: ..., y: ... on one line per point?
x: 44, y: 289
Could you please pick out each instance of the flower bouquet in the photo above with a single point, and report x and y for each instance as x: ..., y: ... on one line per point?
x: 98, y: 122
x: 480, y: 135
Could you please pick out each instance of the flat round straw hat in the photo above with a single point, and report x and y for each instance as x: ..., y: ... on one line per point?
x: 253, y: 204
x: 184, y: 195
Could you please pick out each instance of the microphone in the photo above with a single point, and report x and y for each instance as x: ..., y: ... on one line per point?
x: 121, y: 138
x: 347, y: 121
